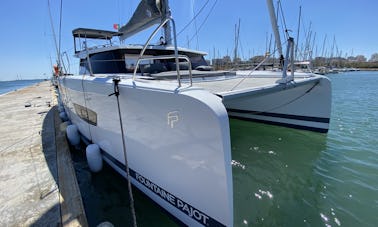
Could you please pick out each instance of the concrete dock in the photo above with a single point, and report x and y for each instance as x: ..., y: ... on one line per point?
x: 38, y: 185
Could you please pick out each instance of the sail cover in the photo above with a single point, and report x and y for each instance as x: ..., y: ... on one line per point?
x: 148, y: 13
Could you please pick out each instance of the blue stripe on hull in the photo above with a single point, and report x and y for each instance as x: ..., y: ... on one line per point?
x: 283, y: 116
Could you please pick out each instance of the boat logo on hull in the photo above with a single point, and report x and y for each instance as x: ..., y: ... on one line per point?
x: 173, y: 118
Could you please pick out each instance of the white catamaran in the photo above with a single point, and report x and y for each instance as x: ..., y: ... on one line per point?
x: 160, y: 116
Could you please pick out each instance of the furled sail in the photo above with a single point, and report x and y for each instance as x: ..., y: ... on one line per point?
x: 147, y: 14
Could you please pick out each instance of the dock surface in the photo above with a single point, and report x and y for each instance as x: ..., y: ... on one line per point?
x: 37, y: 182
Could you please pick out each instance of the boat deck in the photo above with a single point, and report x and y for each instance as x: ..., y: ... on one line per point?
x: 224, y: 82
x: 237, y: 83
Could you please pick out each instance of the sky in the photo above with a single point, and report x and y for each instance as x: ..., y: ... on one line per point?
x: 27, y: 49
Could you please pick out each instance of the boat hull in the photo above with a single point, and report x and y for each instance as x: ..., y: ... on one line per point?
x: 177, y: 142
x: 303, y: 104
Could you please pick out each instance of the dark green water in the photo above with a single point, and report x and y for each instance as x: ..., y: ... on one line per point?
x: 282, y: 177
x: 285, y: 177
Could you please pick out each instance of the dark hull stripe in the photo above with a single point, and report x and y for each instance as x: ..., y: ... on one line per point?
x: 286, y: 116
x: 121, y: 166
x: 302, y: 127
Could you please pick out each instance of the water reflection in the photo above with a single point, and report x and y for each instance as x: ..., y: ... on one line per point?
x: 348, y: 167
x: 276, y: 185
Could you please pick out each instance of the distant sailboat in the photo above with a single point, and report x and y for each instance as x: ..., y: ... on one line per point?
x: 294, y: 99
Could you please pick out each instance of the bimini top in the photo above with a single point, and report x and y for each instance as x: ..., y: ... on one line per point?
x: 94, y: 33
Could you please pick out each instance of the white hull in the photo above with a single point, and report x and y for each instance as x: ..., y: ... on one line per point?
x: 177, y: 142
x: 177, y: 138
x: 304, y: 103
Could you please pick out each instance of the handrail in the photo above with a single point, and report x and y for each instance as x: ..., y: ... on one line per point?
x: 176, y: 56
x: 163, y: 57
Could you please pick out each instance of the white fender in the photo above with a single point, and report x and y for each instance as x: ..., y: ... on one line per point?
x: 105, y: 224
x: 73, y: 135
x: 94, y: 157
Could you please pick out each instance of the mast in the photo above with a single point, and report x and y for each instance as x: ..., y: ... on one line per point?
x: 324, y: 41
x: 299, y: 25
x: 289, y: 57
x: 166, y: 12
x: 273, y: 20
x: 237, y: 31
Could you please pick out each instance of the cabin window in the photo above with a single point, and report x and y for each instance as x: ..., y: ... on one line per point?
x: 131, y: 61
x: 124, y: 61
x: 86, y: 114
x: 197, y: 61
x: 107, y: 62
x: 83, y: 68
x: 104, y: 62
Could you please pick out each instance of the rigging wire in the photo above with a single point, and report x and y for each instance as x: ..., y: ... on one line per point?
x: 60, y: 31
x: 283, y: 20
x: 193, y: 19
x: 195, y: 25
x: 53, y: 30
x: 207, y: 16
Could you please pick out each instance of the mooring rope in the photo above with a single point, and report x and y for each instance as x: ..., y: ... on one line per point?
x: 131, y: 197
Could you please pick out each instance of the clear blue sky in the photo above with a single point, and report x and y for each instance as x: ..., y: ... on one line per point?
x: 26, y: 42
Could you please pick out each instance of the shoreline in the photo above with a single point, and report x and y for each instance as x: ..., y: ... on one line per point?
x: 368, y: 69
x: 36, y: 81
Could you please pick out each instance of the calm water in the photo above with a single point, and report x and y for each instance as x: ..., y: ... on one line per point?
x: 282, y: 177
x: 8, y: 86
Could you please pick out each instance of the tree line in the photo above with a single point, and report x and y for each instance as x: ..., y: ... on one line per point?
x: 359, y: 61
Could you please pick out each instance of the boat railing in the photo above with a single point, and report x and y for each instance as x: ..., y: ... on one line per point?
x: 166, y: 57
x: 83, y: 35
x: 174, y: 56
x: 65, y: 67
